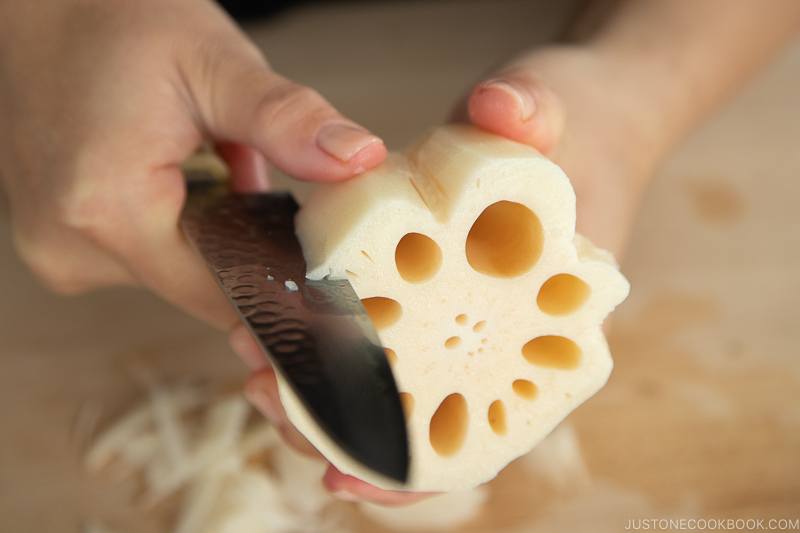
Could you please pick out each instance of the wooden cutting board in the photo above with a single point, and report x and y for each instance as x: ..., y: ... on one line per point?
x: 701, y: 417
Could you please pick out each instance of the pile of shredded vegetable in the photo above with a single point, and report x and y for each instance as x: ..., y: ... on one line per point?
x: 232, y: 472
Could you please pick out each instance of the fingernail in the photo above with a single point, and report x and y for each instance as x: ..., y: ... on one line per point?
x: 262, y: 402
x: 525, y: 102
x: 345, y: 496
x: 344, y: 141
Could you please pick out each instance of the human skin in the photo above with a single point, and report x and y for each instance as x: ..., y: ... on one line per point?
x: 102, y: 100
x: 95, y: 202
x: 607, y: 109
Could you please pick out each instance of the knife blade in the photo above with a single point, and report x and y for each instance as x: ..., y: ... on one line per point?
x: 315, y: 333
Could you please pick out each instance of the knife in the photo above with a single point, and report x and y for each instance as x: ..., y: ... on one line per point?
x: 315, y: 333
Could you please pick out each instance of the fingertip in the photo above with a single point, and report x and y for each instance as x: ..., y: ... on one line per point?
x: 335, y: 152
x: 330, y: 480
x: 368, y: 158
x: 349, y: 149
x: 500, y: 108
x: 293, y: 126
x: 261, y: 391
x: 262, y: 379
x: 349, y: 488
x: 517, y: 110
x: 245, y: 346
x: 338, y: 482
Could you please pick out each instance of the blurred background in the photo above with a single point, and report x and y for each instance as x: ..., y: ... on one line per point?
x: 701, y: 417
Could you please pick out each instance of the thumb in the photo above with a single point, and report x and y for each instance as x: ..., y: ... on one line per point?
x: 517, y: 105
x: 241, y: 100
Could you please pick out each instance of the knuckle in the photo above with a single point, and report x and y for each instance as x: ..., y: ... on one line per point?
x: 290, y: 104
x: 64, y: 286
x: 86, y: 212
x: 40, y: 259
x: 213, y: 64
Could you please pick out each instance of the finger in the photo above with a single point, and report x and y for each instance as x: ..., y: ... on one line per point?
x: 56, y: 252
x: 350, y: 488
x: 135, y: 218
x: 245, y: 346
x: 58, y: 257
x: 517, y: 105
x: 247, y: 166
x: 163, y: 258
x: 262, y: 391
x: 241, y: 100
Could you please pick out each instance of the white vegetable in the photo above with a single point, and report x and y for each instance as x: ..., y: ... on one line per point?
x: 140, y: 449
x: 199, y: 504
x: 219, y: 463
x: 250, y: 502
x: 166, y: 418
x: 298, y: 478
x: 257, y: 439
x: 133, y: 425
x: 223, y: 426
x: 465, y: 255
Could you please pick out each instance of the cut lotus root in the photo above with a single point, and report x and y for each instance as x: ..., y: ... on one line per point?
x: 489, y: 305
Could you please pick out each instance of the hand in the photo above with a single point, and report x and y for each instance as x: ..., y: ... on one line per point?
x: 102, y: 101
x: 550, y: 100
x: 567, y: 103
x: 262, y: 392
x: 607, y: 112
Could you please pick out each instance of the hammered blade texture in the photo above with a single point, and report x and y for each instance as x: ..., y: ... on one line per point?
x: 315, y: 333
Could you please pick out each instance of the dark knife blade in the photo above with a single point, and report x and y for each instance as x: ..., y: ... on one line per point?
x: 315, y: 333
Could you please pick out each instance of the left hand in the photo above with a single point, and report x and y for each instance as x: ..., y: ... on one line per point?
x: 553, y: 100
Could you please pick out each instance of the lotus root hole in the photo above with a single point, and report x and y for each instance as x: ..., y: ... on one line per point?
x: 382, y: 311
x: 552, y: 351
x: 562, y: 294
x: 497, y: 417
x: 407, y: 401
x: 448, y: 426
x: 417, y: 257
x: 505, y: 240
x: 524, y: 388
x: 452, y: 342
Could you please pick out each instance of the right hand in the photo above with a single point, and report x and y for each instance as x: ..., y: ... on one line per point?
x: 533, y: 100
x: 102, y: 101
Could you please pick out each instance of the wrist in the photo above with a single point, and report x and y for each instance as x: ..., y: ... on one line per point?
x: 657, y: 107
x: 605, y: 108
